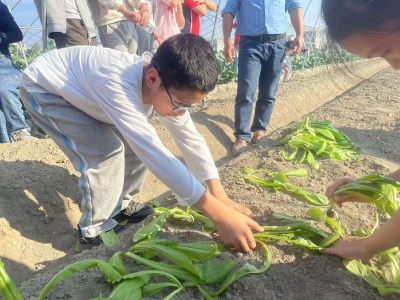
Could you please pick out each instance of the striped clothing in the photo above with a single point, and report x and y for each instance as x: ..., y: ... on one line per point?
x: 259, y: 17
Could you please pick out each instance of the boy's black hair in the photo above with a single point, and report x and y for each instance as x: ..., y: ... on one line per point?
x: 344, y: 18
x: 187, y: 61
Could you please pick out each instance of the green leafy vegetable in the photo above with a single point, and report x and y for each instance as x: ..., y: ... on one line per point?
x: 208, y: 225
x: 7, y: 287
x: 151, y: 229
x: 110, y: 239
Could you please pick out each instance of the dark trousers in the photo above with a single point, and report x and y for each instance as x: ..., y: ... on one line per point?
x: 75, y: 35
x: 260, y: 63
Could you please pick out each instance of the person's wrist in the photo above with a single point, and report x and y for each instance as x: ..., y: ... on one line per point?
x: 227, y: 40
x: 373, y: 246
x: 211, y: 207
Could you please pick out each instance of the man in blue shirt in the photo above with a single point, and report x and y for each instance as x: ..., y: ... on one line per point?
x: 262, y: 25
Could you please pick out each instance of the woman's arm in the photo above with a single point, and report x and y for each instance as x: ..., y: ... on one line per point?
x: 180, y: 20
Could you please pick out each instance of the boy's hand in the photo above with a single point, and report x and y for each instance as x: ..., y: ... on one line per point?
x: 352, y: 247
x: 340, y: 199
x: 228, y: 202
x: 234, y: 229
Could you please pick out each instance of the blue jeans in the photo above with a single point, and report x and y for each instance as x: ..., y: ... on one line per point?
x: 11, y: 115
x: 237, y: 60
x: 260, y: 63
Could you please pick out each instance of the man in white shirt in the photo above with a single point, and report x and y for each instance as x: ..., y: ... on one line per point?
x: 78, y: 95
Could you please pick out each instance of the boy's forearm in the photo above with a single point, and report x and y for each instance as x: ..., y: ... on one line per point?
x: 227, y: 25
x: 210, y: 207
x: 386, y: 237
x: 216, y: 189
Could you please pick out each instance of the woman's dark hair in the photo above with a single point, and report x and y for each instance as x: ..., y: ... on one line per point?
x: 344, y: 18
x: 187, y: 61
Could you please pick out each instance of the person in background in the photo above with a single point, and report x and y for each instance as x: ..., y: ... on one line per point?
x: 69, y: 22
x: 369, y: 29
x: 170, y: 18
x: 192, y: 10
x: 236, y: 46
x: 262, y: 26
x: 121, y: 24
x: 12, y: 122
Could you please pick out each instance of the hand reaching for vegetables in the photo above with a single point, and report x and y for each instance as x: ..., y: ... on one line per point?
x: 236, y: 207
x: 340, y: 199
x: 352, y: 247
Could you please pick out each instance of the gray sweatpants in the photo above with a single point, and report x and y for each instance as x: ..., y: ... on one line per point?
x: 126, y: 37
x: 111, y: 173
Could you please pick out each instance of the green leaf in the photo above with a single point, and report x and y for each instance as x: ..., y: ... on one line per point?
x: 110, y: 239
x: 208, y: 225
x: 7, y: 287
x: 326, y: 242
x: 151, y: 229
x: 301, y: 158
x: 129, y: 289
x: 287, y: 217
x: 246, y: 269
x: 302, y: 226
x: 310, y: 158
x: 154, y: 203
x: 201, y: 251
x: 107, y: 269
x: 216, y: 272
x: 174, y: 255
x: 357, y: 268
x: 388, y: 289
x: 297, y: 173
x: 394, y: 266
x: 321, y: 148
x: 279, y: 177
x: 303, y: 195
x: 317, y: 213
x: 359, y: 232
x: 153, y: 288
x: 117, y: 264
x: 170, y: 296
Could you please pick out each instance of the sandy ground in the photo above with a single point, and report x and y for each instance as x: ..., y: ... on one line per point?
x: 39, y: 209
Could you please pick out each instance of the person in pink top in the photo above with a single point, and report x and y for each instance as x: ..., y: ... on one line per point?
x: 170, y: 18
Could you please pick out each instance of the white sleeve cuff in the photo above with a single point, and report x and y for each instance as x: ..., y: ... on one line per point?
x: 196, y: 195
x: 117, y: 4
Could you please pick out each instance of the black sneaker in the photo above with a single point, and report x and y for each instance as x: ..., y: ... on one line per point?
x: 134, y: 213
x: 95, y: 241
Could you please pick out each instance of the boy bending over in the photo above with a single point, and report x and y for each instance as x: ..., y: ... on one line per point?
x: 96, y: 103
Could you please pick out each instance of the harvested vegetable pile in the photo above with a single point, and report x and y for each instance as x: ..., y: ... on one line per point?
x: 309, y: 138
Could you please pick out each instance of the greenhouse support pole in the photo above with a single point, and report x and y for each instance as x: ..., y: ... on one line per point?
x: 20, y: 43
x: 215, y: 23
x: 44, y: 26
x: 155, y: 13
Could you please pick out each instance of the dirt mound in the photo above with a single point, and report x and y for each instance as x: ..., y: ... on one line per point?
x: 369, y: 114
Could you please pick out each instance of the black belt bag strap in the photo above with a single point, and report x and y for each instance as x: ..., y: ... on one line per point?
x: 268, y: 37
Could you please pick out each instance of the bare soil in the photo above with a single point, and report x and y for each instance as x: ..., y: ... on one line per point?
x: 39, y: 210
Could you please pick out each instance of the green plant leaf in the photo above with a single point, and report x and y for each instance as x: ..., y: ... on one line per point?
x: 317, y: 213
x: 216, y: 272
x: 129, y: 289
x: 359, y: 232
x: 201, y: 251
x: 357, y: 268
x: 111, y: 274
x: 7, y: 287
x: 297, y: 173
x: 281, y: 216
x: 208, y: 225
x: 153, y: 288
x: 301, y: 158
x: 151, y: 229
x: 310, y: 158
x: 117, y: 264
x: 326, y: 242
x: 246, y: 269
x: 110, y: 239
x: 154, y: 203
x: 174, y: 255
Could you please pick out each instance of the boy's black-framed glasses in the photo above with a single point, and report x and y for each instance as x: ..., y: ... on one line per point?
x: 178, y: 108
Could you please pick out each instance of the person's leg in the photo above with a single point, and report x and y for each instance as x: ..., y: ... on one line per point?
x: 94, y: 150
x: 144, y: 40
x: 250, y: 59
x: 113, y: 36
x: 269, y: 80
x: 12, y: 120
x: 75, y: 35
